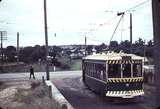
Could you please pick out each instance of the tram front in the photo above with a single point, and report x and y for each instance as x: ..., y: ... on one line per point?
x: 125, y: 77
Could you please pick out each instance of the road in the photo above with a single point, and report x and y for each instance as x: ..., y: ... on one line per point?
x: 71, y: 86
x: 82, y: 98
x: 38, y: 75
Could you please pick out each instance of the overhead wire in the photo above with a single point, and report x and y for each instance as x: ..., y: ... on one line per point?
x: 121, y: 19
x: 136, y: 6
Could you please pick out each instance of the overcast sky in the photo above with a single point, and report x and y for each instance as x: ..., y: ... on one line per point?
x: 72, y: 19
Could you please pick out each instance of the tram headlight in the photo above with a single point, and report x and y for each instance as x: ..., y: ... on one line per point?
x: 127, y: 85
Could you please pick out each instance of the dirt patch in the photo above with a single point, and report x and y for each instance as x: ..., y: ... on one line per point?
x: 24, y: 95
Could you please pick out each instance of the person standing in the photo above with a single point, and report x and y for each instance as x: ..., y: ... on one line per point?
x: 32, y: 72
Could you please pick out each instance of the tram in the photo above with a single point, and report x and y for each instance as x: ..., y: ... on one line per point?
x: 114, y: 74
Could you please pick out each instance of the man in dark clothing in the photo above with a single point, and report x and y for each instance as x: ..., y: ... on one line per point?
x: 32, y: 72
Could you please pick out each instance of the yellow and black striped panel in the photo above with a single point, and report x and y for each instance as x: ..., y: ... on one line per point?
x: 123, y: 61
x: 124, y: 92
x: 124, y: 80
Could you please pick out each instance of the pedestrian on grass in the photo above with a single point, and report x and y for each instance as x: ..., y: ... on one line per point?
x: 32, y: 72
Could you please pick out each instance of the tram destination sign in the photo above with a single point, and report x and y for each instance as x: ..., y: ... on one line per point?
x: 126, y: 57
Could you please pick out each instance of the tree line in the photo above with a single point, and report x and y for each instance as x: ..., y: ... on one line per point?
x: 139, y: 47
x: 37, y: 53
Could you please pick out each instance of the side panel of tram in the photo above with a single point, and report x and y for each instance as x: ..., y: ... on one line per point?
x: 94, y: 75
x: 114, y: 78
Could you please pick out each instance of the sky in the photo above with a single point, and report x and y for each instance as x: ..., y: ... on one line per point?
x: 72, y: 20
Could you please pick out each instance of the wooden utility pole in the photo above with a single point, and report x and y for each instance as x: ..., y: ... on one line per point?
x: 156, y: 30
x: 85, y: 45
x: 1, y: 48
x: 46, y: 40
x: 130, y: 32
x: 2, y: 38
x: 17, y: 47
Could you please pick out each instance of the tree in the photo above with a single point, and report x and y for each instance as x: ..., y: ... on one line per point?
x: 113, y: 46
x: 54, y: 51
x: 139, y: 42
x: 25, y: 54
x: 125, y: 46
x: 150, y: 43
x: 149, y: 49
x: 89, y: 49
x: 100, y: 48
x: 10, y: 53
x: 139, y: 47
x: 37, y: 53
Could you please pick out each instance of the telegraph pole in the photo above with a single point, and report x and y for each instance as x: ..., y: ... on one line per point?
x: 144, y: 51
x: 121, y: 14
x: 17, y: 47
x: 46, y: 40
x: 85, y: 45
x: 156, y: 30
x: 1, y: 48
x: 130, y: 32
x: 2, y: 38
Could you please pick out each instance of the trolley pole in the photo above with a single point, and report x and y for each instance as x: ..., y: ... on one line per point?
x: 156, y: 30
x: 130, y: 32
x: 46, y: 40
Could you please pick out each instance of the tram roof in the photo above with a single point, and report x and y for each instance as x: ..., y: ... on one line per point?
x: 112, y: 56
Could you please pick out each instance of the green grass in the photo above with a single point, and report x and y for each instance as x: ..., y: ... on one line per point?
x: 76, y: 64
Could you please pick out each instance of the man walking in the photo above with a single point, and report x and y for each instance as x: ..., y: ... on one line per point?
x: 32, y: 72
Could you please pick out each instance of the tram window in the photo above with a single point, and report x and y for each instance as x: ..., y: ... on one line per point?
x: 137, y: 70
x: 126, y: 68
x: 97, y: 71
x: 100, y: 71
x: 87, y: 69
x: 114, y: 70
x: 90, y: 69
